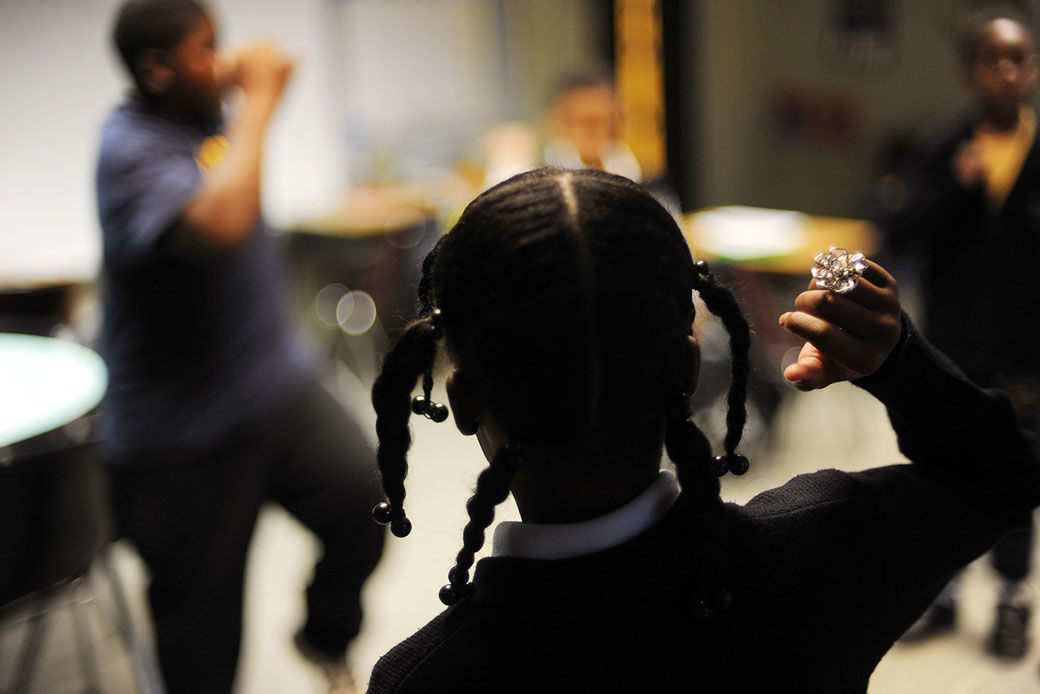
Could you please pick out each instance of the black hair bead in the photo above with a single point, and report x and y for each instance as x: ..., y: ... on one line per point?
x: 738, y: 464
x: 400, y: 527
x: 731, y: 462
x: 721, y: 465
x: 420, y: 405
x: 437, y: 321
x: 450, y: 594
x: 382, y: 513
x: 701, y: 266
x: 437, y: 411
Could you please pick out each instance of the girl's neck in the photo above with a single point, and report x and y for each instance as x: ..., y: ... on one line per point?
x: 550, y: 490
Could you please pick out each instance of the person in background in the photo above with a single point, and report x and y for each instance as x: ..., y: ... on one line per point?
x: 971, y: 203
x: 214, y: 404
x: 584, y: 127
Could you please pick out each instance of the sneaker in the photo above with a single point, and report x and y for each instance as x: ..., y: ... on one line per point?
x: 1009, y: 639
x: 337, y: 672
x: 940, y: 618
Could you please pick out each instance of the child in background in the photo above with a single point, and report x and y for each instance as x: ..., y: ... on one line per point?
x: 973, y: 204
x: 565, y: 302
x: 585, y: 126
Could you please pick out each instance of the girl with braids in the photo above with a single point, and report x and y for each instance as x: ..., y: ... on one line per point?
x: 564, y: 300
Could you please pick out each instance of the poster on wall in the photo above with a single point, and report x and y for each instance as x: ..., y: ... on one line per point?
x: 861, y: 35
x: 809, y: 117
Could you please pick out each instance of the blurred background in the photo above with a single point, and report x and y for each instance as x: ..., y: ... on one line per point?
x: 781, y: 112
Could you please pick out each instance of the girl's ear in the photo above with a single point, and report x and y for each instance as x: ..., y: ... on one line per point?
x: 692, y: 371
x: 463, y: 405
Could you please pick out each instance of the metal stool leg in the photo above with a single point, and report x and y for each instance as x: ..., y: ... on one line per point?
x: 146, y: 669
x: 85, y: 651
x: 30, y: 651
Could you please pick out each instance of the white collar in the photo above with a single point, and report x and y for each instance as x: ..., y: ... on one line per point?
x: 566, y: 540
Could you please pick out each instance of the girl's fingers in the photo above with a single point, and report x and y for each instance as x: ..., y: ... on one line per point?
x: 842, y: 312
x: 840, y: 345
x: 812, y: 370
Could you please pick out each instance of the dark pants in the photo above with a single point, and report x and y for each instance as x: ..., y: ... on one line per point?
x: 192, y: 523
x: 1011, y: 556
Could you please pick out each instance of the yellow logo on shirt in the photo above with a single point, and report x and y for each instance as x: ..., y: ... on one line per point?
x: 211, y: 152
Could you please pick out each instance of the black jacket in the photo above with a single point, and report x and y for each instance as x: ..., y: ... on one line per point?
x: 979, y: 277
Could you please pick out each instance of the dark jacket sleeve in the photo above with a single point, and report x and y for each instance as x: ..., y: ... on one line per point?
x: 901, y: 532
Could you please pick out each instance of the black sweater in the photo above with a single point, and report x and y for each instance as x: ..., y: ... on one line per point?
x: 825, y: 572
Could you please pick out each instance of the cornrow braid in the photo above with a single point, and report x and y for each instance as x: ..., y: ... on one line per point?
x: 412, y: 356
x: 493, y: 485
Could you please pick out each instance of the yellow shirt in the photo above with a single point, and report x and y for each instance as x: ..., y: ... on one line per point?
x: 1003, y: 154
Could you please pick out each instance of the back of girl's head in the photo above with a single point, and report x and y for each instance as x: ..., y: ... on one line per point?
x: 565, y: 299
x: 566, y: 303
x: 141, y: 25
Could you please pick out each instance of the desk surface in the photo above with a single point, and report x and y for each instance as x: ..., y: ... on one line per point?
x: 45, y: 383
x: 773, y: 240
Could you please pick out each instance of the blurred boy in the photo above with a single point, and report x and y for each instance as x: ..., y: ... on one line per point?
x: 973, y: 206
x: 213, y: 405
x: 585, y: 128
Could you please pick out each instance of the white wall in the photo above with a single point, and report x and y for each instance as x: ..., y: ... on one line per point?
x: 59, y: 78
x: 57, y: 82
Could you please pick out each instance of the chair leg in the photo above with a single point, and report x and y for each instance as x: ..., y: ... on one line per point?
x: 146, y: 669
x: 85, y: 651
x: 30, y: 651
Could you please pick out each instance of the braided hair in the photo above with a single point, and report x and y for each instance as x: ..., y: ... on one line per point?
x: 566, y: 297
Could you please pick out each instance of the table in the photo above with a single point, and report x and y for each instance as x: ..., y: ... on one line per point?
x: 54, y: 515
x: 773, y: 241
x: 765, y: 257
x: 45, y: 384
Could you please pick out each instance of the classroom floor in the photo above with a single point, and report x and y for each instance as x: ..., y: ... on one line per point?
x: 850, y: 432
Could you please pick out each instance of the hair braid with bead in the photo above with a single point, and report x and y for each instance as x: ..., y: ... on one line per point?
x: 492, y: 489
x: 412, y: 357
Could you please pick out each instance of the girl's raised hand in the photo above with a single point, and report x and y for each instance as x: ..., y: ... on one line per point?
x: 847, y: 336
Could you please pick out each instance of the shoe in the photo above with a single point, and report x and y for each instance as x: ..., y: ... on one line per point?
x: 940, y: 618
x: 337, y: 672
x: 1009, y: 639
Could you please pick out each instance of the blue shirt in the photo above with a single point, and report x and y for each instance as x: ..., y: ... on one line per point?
x: 198, y: 348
